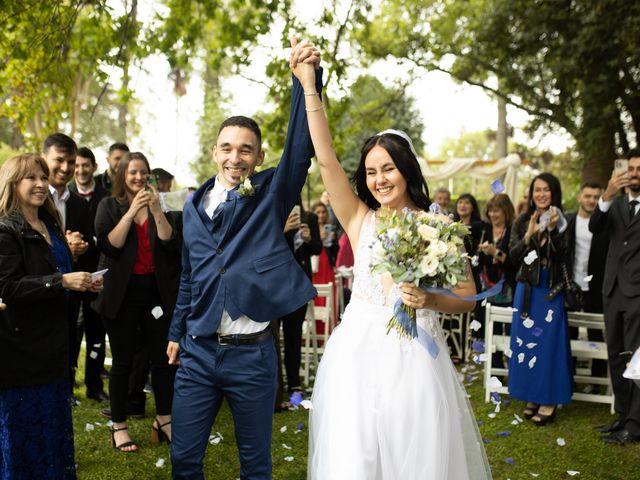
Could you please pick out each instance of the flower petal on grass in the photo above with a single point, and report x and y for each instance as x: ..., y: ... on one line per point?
x: 283, y: 429
x: 288, y: 459
x: 160, y: 463
x: 561, y: 442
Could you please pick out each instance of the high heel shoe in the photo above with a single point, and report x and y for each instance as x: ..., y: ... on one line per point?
x: 157, y: 434
x: 530, y: 410
x: 123, y: 445
x: 544, y: 419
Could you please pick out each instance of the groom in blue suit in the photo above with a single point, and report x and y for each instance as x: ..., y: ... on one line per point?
x: 238, y: 275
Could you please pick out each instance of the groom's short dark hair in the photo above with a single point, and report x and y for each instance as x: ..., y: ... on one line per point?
x: 244, y: 122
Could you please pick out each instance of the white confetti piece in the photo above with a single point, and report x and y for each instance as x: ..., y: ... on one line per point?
x: 512, y: 310
x: 109, y: 424
x: 494, y: 383
x: 534, y: 474
x: 492, y: 415
x: 306, y: 404
x: 531, y: 345
x: 220, y: 435
x: 528, y: 323
x: 93, y: 354
x: 518, y: 418
x: 532, y: 362
x: 213, y: 440
x: 283, y: 429
x: 288, y: 459
x: 484, y: 302
x: 89, y: 427
x: 156, y: 312
x: 515, y: 422
x: 560, y: 441
x: 483, y: 357
x: 475, y: 325
x: 520, y: 357
x: 549, y: 316
x: 97, y: 424
x: 475, y: 359
x: 588, y: 278
x: 497, y: 409
x: 97, y: 345
x: 160, y: 463
x: 519, y: 341
x: 286, y: 447
x: 573, y: 473
x: 531, y: 257
x: 508, y: 352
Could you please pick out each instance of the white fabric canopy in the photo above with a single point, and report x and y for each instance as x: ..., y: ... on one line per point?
x: 506, y: 169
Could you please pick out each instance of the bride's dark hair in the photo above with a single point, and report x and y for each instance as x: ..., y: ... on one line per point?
x: 405, y: 161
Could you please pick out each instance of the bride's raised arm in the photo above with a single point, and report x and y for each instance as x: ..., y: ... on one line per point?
x: 349, y: 209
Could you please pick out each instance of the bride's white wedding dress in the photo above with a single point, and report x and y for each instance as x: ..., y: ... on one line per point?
x: 383, y: 407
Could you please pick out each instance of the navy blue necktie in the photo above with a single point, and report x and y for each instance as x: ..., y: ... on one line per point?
x: 218, y: 213
x: 632, y: 209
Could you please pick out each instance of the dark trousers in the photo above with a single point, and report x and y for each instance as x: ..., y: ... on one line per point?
x: 138, y: 377
x: 292, y: 332
x: 622, y: 332
x: 245, y: 375
x: 142, y: 295
x: 93, y: 330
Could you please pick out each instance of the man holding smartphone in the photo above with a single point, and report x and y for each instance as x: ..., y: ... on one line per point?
x: 618, y: 214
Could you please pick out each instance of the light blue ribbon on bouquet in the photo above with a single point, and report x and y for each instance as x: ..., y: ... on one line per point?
x: 415, y: 330
x: 497, y: 288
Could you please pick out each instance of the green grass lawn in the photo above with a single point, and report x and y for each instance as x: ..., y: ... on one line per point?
x: 531, y: 450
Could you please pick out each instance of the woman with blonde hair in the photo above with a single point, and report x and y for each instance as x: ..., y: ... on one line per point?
x: 36, y: 434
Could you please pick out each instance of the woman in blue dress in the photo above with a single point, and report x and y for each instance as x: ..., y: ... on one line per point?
x: 36, y: 433
x: 540, y: 363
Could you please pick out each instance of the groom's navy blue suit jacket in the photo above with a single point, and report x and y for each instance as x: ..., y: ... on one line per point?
x: 241, y: 262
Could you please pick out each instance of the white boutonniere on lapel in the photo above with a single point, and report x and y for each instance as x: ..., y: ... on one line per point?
x: 246, y: 189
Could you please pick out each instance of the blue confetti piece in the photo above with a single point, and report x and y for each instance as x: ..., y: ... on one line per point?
x: 471, y: 378
x: 478, y: 346
x: 509, y: 460
x: 495, y: 396
x: 300, y: 426
x: 296, y: 399
x: 497, y: 187
x: 503, y: 434
x: 537, y: 331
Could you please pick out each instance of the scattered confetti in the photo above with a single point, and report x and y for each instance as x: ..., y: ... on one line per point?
x: 283, y: 429
x: 478, y: 346
x: 537, y: 331
x: 534, y: 474
x: 484, y: 302
x: 494, y: 383
x: 93, y: 354
x: 560, y: 441
x: 497, y: 409
x: 300, y: 426
x: 160, y: 463
x: 97, y: 345
x: 518, y: 418
x: 549, y: 316
x: 306, y: 404
x: 214, y: 440
x: 512, y: 310
x: 531, y: 345
x: 476, y: 359
x: 531, y: 257
x: 497, y: 187
x: 484, y: 357
x: 492, y: 415
x: 296, y: 399
x: 495, y: 397
x: 520, y: 357
x: 156, y: 312
x: 588, y: 278
x: 288, y: 459
x: 509, y: 460
x: 519, y: 341
x: 573, y: 473
x: 528, y: 323
x: 475, y: 325
x: 503, y: 434
x: 508, y: 352
x: 286, y: 447
x: 532, y: 362
x: 89, y: 427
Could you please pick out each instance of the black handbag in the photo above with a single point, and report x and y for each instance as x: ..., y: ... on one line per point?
x: 573, y: 296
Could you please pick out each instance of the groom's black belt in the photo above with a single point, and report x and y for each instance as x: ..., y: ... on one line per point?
x: 242, y: 338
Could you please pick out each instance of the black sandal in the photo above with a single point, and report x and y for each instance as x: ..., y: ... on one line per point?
x: 124, y: 445
x: 157, y: 434
x: 544, y: 419
x: 530, y: 410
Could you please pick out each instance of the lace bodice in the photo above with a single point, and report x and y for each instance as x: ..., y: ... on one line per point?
x: 368, y: 286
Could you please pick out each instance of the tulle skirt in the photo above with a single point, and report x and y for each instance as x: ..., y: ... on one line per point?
x: 384, y: 408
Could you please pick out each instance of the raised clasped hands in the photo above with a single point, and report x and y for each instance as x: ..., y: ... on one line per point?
x: 141, y: 200
x: 154, y: 200
x: 76, y: 243
x: 304, y: 60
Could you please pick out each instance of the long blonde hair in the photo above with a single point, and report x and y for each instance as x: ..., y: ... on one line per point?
x: 14, y: 170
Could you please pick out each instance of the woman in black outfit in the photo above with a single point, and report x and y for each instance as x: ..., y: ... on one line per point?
x: 140, y: 246
x: 36, y: 433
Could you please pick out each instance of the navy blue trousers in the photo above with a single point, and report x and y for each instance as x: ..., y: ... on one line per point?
x: 246, y: 376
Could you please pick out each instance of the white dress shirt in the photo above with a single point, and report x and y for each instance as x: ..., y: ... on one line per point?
x: 244, y: 324
x: 582, y: 250
x: 61, y: 204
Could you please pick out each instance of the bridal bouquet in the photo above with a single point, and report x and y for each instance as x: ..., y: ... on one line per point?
x: 424, y: 248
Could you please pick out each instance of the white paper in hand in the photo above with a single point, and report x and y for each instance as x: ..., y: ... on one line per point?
x: 95, y: 276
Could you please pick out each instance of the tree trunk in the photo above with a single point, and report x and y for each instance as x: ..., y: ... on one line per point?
x: 501, y: 133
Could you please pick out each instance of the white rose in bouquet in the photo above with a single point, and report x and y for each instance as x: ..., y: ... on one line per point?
x: 428, y: 233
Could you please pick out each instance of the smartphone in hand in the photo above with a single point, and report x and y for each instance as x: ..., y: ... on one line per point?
x: 621, y: 165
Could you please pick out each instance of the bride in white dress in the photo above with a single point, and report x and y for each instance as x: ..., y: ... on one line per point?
x: 384, y: 408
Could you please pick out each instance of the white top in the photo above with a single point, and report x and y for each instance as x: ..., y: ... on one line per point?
x: 604, y: 205
x: 581, y: 255
x: 61, y: 204
x: 244, y: 324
